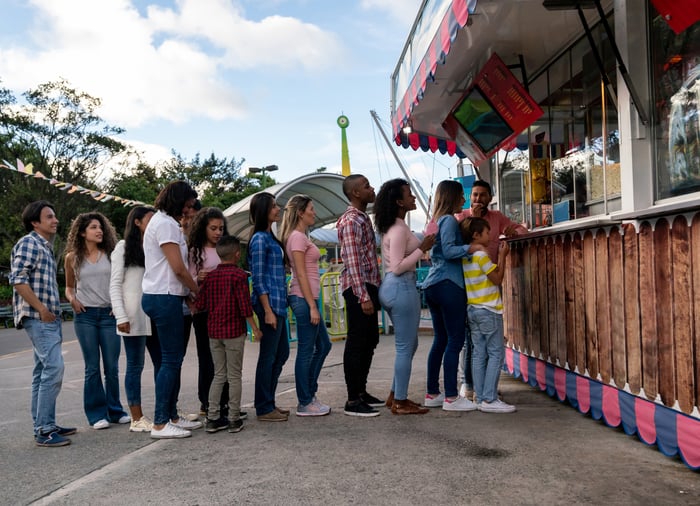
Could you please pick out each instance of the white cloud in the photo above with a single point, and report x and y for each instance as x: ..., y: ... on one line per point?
x: 168, y: 64
x: 404, y: 11
x: 277, y: 41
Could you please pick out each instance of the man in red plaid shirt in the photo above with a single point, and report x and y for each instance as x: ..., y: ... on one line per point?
x: 359, y: 282
x: 225, y: 294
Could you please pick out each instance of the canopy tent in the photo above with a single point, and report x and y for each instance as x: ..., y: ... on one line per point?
x: 326, y: 191
x: 324, y: 237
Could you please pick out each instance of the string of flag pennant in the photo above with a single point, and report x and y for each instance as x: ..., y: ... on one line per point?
x: 28, y: 171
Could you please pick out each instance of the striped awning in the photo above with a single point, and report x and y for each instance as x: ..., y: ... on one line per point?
x: 454, y: 19
x: 428, y: 143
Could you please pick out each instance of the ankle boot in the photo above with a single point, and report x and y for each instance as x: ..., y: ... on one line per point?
x: 405, y: 407
x: 389, y: 400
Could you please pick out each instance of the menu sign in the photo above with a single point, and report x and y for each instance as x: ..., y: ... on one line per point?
x: 492, y: 113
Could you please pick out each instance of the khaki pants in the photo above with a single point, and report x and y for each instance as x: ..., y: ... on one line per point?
x: 227, y: 355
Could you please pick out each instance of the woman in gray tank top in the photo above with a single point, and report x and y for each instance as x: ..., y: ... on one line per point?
x: 91, y: 241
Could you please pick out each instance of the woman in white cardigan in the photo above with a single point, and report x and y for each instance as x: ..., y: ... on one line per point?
x: 132, y: 323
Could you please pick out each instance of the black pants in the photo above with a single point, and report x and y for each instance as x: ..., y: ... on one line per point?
x: 205, y: 363
x: 363, y: 337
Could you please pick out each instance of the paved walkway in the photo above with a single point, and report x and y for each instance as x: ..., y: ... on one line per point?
x: 546, y: 453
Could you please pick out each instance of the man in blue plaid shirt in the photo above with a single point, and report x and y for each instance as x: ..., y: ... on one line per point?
x: 36, y: 307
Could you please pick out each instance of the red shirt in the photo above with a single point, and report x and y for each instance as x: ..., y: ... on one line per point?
x: 498, y: 222
x: 225, y: 294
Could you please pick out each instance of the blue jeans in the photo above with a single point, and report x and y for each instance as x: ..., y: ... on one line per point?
x: 96, y: 330
x: 47, y: 376
x: 274, y: 352
x: 313, y: 346
x: 399, y: 297
x: 466, y: 358
x: 165, y: 311
x: 487, y: 358
x: 448, y: 308
x: 135, y: 350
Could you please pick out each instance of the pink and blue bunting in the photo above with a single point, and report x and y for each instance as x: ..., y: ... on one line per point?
x: 673, y: 432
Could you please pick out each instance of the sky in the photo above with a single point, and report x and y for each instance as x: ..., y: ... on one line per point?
x: 260, y: 80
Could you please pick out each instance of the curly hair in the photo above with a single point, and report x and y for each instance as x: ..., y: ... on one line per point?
x: 386, y: 207
x: 197, y: 238
x: 76, y: 242
x: 133, y: 242
x: 297, y: 204
x: 447, y: 196
x: 172, y: 199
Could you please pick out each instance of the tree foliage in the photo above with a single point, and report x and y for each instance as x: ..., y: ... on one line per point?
x: 218, y: 181
x: 56, y: 129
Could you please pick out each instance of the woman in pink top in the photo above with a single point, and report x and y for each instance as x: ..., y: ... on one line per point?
x: 401, y: 250
x: 313, y: 343
x: 207, y: 227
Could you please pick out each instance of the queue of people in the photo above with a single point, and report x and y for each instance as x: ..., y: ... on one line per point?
x: 135, y: 289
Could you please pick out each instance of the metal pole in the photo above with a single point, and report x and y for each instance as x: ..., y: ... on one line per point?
x: 419, y: 198
x: 604, y: 164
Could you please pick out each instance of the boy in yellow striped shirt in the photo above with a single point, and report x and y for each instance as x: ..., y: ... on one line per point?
x: 482, y: 280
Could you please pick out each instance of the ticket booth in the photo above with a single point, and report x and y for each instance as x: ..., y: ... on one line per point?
x: 603, y: 295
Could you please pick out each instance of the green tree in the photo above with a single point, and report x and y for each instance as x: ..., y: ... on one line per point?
x: 56, y: 129
x: 218, y: 181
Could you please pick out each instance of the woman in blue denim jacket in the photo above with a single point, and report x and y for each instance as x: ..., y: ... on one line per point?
x: 447, y: 300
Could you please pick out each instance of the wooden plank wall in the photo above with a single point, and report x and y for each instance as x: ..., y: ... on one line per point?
x: 620, y: 303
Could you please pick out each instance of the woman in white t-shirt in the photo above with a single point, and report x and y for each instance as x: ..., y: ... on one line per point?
x: 313, y: 343
x: 166, y: 283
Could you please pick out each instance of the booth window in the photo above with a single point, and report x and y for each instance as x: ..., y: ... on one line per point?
x: 676, y: 85
x: 566, y: 166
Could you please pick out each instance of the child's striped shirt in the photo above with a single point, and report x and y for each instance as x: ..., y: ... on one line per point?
x: 481, y: 292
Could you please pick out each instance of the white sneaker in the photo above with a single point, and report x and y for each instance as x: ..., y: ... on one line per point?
x: 466, y: 392
x: 192, y: 417
x: 459, y: 404
x: 124, y: 419
x: 433, y: 401
x: 101, y: 424
x: 497, y: 406
x: 170, y: 431
x: 143, y: 424
x: 187, y: 424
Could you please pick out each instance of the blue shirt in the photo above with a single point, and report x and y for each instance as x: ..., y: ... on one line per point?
x: 446, y: 254
x: 266, y: 262
x: 33, y: 264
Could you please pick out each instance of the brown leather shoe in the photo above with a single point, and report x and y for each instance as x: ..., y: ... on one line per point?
x: 416, y: 404
x: 272, y: 416
x: 283, y: 411
x: 390, y: 401
x: 406, y: 407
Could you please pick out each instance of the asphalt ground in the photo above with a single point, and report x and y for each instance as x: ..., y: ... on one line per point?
x: 545, y: 453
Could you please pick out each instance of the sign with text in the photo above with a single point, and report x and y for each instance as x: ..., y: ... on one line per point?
x: 492, y: 113
x: 679, y: 14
